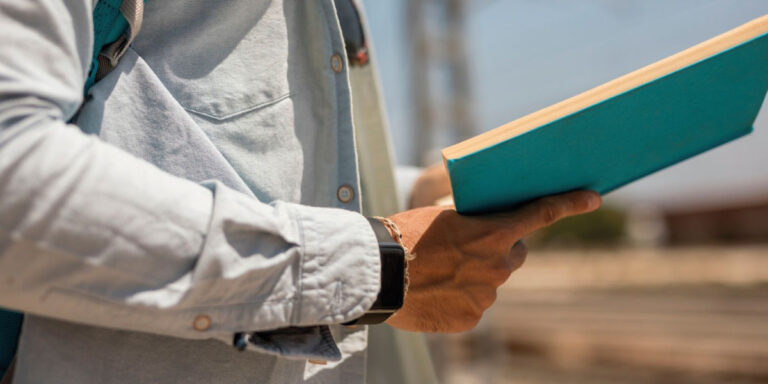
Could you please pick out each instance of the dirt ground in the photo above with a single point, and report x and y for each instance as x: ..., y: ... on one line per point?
x: 685, y: 315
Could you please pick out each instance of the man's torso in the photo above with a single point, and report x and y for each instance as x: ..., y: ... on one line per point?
x: 241, y: 91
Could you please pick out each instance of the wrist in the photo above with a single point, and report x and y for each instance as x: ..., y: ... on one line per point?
x: 392, y: 275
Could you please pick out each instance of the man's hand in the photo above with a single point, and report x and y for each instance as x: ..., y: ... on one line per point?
x: 461, y: 260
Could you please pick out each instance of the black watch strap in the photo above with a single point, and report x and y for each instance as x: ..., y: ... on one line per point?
x: 392, y: 290
x: 380, y: 230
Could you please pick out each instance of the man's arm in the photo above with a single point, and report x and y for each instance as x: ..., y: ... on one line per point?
x: 91, y: 234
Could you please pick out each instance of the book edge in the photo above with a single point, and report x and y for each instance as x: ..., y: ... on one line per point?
x: 594, y: 105
x: 451, y: 153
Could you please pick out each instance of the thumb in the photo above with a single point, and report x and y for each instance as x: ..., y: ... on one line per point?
x: 548, y: 210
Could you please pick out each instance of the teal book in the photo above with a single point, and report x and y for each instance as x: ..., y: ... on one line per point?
x: 620, y: 131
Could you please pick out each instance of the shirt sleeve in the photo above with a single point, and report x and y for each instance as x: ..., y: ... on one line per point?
x: 91, y: 234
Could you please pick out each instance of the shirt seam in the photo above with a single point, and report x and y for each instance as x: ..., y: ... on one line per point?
x: 296, y: 318
x: 88, y: 295
x: 242, y: 111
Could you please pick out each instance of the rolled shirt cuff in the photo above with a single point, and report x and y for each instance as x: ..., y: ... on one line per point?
x: 340, y: 267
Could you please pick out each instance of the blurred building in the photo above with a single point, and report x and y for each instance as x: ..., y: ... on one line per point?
x: 440, y: 80
x: 738, y: 224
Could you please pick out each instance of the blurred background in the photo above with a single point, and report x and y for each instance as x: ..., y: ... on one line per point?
x: 668, y: 283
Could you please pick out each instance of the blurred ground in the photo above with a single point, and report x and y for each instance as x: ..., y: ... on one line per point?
x: 670, y: 315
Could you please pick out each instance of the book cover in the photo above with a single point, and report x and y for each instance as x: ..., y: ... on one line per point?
x: 618, y: 139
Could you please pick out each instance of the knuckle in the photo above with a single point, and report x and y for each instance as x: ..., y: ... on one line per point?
x: 548, y: 211
x: 465, y: 322
x: 479, y: 298
x: 487, y: 298
x: 471, y: 322
x: 501, y: 273
x: 469, y: 313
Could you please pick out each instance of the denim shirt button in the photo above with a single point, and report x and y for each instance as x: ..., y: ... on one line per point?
x: 345, y: 193
x: 202, y: 323
x: 337, y: 64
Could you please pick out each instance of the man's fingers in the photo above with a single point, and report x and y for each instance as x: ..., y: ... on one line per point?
x: 547, y: 210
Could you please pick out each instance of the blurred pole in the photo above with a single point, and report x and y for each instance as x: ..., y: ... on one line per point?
x: 440, y: 87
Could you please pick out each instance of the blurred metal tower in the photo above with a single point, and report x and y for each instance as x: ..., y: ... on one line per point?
x: 440, y: 88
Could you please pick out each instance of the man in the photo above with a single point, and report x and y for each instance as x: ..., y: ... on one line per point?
x: 131, y: 266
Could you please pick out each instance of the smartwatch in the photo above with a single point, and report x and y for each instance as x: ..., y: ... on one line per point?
x: 392, y: 276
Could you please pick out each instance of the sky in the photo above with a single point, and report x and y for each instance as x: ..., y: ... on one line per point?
x: 527, y: 54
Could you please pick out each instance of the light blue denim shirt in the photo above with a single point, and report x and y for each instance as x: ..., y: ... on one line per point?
x: 209, y: 186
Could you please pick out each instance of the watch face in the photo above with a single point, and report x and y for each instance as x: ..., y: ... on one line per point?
x: 392, y: 278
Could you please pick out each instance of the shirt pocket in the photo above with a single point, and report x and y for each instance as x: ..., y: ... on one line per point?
x: 213, y: 68
x: 230, y: 89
